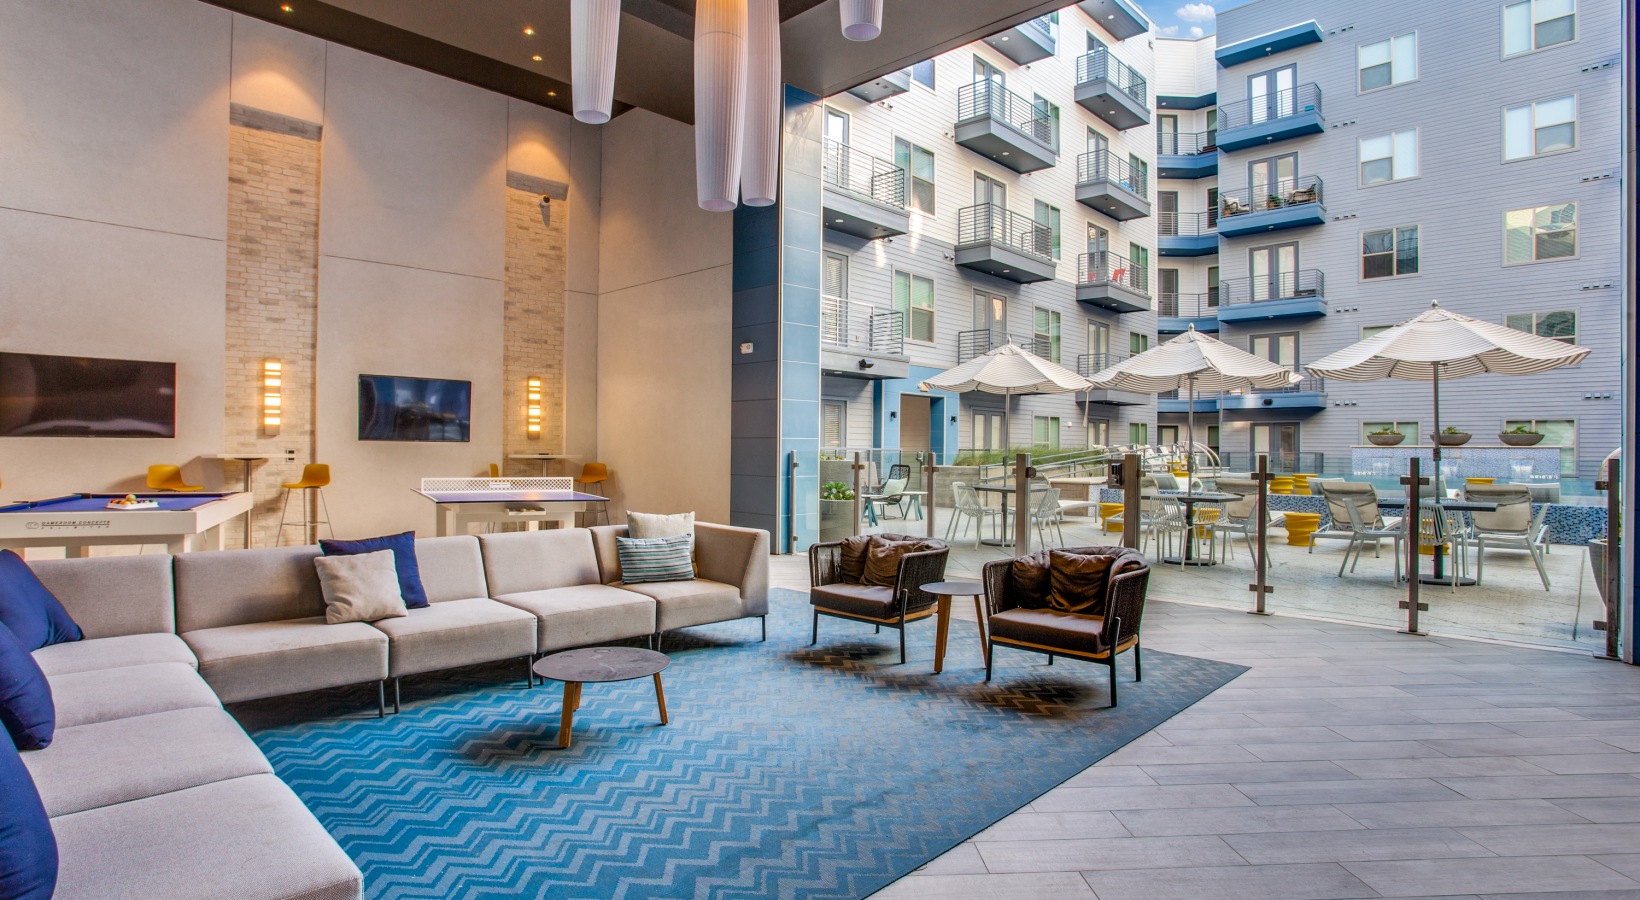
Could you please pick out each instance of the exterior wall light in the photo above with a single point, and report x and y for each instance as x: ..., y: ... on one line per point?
x: 532, y: 414
x: 273, y: 380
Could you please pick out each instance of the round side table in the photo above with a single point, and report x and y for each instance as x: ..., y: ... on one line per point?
x: 599, y: 664
x: 945, y: 590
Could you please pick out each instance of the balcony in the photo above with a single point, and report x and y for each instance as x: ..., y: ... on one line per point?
x: 992, y: 240
x: 1308, y: 396
x: 1119, y: 17
x: 1188, y: 155
x: 980, y: 341
x: 1263, y: 45
x: 1285, y: 295
x: 1187, y: 234
x: 1112, y: 90
x: 999, y: 124
x: 1273, y: 117
x: 1179, y: 402
x: 1112, y: 283
x: 862, y: 340
x: 1027, y: 42
x: 889, y: 85
x: 1089, y: 364
x: 1107, y: 183
x: 1288, y: 203
x: 864, y: 195
x: 1178, y: 313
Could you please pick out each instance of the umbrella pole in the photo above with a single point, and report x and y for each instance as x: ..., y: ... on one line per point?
x: 1435, y: 452
x: 1190, y: 440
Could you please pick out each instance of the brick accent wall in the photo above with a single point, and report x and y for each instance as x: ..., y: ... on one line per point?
x: 534, y: 325
x: 272, y: 303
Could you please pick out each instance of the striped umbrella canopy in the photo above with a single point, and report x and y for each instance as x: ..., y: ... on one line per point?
x: 1008, y: 370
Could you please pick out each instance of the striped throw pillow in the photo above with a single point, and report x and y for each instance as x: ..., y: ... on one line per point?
x: 656, y: 559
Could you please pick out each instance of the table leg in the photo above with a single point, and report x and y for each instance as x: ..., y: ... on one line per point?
x: 250, y: 511
x: 943, y: 615
x: 984, y: 641
x: 660, y: 698
x: 566, y: 720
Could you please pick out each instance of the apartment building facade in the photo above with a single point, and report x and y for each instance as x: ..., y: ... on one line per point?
x: 1368, y: 159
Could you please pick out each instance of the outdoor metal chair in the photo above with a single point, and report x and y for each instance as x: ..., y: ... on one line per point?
x: 832, y: 592
x: 1045, y: 515
x: 966, y: 505
x: 1238, y: 517
x: 1353, y: 508
x: 1513, y: 526
x: 891, y: 494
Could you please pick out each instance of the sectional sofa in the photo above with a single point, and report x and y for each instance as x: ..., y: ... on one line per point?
x: 155, y: 791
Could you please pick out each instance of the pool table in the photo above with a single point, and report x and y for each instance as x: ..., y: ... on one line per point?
x: 78, y: 522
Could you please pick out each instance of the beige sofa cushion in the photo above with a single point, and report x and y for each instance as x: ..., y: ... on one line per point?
x: 104, y: 763
x: 451, y: 568
x: 679, y: 604
x: 360, y: 587
x: 247, y: 838
x: 112, y: 596
x: 269, y: 659
x: 523, y: 561
x: 113, y: 653
x: 108, y: 694
x: 240, y: 587
x: 450, y: 633
x: 585, y: 614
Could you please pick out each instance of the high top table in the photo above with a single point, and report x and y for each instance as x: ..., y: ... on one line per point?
x: 1446, y: 506
x: 1189, y: 501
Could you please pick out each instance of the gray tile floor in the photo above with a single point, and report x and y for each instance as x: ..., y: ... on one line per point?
x: 1349, y: 761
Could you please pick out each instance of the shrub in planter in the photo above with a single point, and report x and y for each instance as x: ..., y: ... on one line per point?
x: 1452, y: 437
x: 1385, y: 437
x: 1520, y: 436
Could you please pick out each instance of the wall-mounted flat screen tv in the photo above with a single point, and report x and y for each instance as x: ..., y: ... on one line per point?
x: 81, y: 396
x: 392, y: 408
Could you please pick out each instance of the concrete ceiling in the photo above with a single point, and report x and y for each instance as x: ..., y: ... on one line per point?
x: 484, y: 42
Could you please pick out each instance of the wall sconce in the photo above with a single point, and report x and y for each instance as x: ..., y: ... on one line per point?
x: 532, y: 414
x: 273, y: 379
x: 893, y: 415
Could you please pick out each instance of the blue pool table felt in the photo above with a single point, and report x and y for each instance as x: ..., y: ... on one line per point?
x: 99, y: 503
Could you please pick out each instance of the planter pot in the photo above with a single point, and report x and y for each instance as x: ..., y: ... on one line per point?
x: 1386, y: 440
x: 1453, y: 440
x: 836, y: 520
x: 1520, y: 440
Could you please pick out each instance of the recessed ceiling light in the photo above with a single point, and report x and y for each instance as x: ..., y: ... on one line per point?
x: 552, y: 93
x: 536, y: 57
x: 287, y: 8
x: 838, y: 221
x: 1003, y: 38
x: 1111, y: 16
x: 528, y: 31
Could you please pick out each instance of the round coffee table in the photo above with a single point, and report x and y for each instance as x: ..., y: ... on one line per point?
x: 945, y: 590
x: 599, y: 664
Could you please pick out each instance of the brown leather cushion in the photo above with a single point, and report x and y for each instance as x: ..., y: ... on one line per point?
x: 854, y: 599
x: 883, y: 558
x: 851, y: 561
x: 1079, y: 582
x: 1030, y: 581
x: 1050, y: 628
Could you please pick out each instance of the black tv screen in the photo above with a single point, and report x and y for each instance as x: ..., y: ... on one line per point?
x: 392, y: 408
x: 81, y: 396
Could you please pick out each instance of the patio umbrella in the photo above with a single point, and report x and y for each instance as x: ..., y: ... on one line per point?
x: 1190, y: 361
x: 1440, y: 344
x: 1008, y: 370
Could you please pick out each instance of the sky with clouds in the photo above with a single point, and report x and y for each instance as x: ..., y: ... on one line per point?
x: 1178, y: 19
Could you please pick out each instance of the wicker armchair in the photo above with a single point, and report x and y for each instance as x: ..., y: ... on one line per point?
x: 1098, y: 634
x: 833, y: 594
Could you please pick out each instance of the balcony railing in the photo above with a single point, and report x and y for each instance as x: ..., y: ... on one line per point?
x: 988, y: 222
x: 1088, y: 364
x: 987, y: 98
x: 1103, y: 165
x: 1280, y: 286
x: 1185, y: 224
x: 861, y: 326
x: 1187, y: 306
x: 1312, y: 384
x: 1306, y: 98
x: 1300, y: 191
x: 1100, y: 65
x: 1187, y: 143
x: 863, y: 175
x: 980, y: 341
x: 1285, y: 462
x: 1105, y: 267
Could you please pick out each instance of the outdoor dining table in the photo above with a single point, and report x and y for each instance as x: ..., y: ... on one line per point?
x: 1189, y: 501
x: 1006, y: 490
x: 1446, y: 506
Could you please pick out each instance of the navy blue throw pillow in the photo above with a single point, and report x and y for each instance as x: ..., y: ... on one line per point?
x: 28, y: 609
x: 28, y: 849
x: 404, y: 560
x: 26, y: 709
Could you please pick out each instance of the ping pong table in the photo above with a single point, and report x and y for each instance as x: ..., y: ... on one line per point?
x: 462, y: 502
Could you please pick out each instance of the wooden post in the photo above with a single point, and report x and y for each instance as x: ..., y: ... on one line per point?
x: 859, y: 512
x: 1130, y: 501
x: 1022, y: 503
x: 929, y: 470
x: 1415, y: 527
x: 1613, y: 576
x: 1261, y: 563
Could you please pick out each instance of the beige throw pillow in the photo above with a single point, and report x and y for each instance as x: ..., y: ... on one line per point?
x: 658, y: 525
x: 360, y: 588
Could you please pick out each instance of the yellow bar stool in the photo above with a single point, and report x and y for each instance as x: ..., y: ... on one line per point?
x: 591, y: 480
x: 169, y: 478
x: 315, y: 478
x: 495, y: 470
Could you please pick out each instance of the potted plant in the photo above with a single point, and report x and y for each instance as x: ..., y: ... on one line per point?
x: 1385, y: 437
x: 1450, y: 436
x: 836, y: 511
x: 1520, y: 436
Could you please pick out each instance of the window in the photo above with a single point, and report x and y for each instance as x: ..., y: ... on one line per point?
x: 1389, y: 157
x: 834, y: 275
x: 923, y: 73
x: 1212, y: 285
x: 1560, y: 324
x: 987, y: 433
x: 1138, y: 433
x: 1277, y: 348
x: 919, y: 168
x: 1138, y: 175
x: 833, y: 423
x: 1168, y: 435
x: 1139, y: 261
x: 1041, y: 104
x: 1048, y: 217
x: 1547, y: 126
x: 1047, y: 333
x: 1098, y: 433
x: 1534, y: 24
x: 1389, y: 252
x: 1098, y: 347
x: 1410, y: 429
x: 914, y: 299
x: 1539, y: 233
x: 1387, y: 62
x: 1138, y: 343
x: 1045, y: 432
x: 1368, y: 331
x: 1556, y: 432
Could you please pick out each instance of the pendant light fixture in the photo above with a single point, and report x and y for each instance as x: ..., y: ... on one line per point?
x: 720, y: 101
x: 759, y: 165
x: 862, y: 19
x: 594, y: 32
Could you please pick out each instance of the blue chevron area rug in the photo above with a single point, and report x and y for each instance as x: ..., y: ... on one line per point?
x: 786, y: 771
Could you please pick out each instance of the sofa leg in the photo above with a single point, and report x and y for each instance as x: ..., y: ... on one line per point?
x: 816, y: 638
x: 395, y: 695
x: 659, y: 636
x: 1110, y: 663
x: 529, y: 671
x: 1050, y: 659
x: 763, y: 623
x: 381, y: 699
x: 876, y: 629
x: 990, y: 651
x: 1138, y: 673
x: 902, y: 642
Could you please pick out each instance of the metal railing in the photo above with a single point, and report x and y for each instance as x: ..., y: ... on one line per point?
x: 861, y: 326
x: 862, y: 174
x: 1305, y: 98
x: 980, y: 341
x: 1301, y: 190
x: 987, y: 98
x: 1101, y: 65
x: 1105, y: 267
x: 1311, y: 384
x: 1105, y: 166
x: 1283, y: 463
x: 1169, y: 224
x: 1279, y: 286
x: 1089, y: 363
x: 1189, y: 143
x: 987, y: 222
x: 1188, y: 306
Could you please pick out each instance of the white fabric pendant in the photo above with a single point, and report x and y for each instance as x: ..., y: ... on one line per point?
x: 720, y: 101
x: 594, y: 32
x: 760, y: 162
x: 862, y: 19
